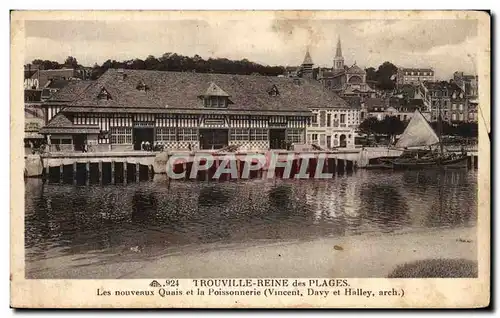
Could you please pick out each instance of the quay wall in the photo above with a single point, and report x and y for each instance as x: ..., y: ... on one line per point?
x: 35, y: 164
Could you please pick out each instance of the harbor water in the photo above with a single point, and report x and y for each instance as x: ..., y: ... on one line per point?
x: 78, y: 225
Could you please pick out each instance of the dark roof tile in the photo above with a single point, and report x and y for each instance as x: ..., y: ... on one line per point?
x: 70, y: 92
x: 176, y: 90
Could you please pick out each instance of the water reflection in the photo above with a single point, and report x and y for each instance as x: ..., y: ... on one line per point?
x: 383, y: 205
x: 157, y: 215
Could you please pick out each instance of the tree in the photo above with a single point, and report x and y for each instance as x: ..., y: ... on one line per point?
x: 369, y: 126
x: 371, y: 74
x: 385, y: 74
x: 392, y: 125
x: 173, y: 62
x: 46, y: 64
x: 71, y: 62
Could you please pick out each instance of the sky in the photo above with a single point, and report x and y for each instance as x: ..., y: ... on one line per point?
x: 446, y: 45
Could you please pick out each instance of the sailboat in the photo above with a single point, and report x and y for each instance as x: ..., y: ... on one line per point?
x: 423, y: 148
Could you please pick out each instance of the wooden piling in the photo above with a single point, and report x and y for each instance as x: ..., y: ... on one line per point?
x: 150, y: 172
x: 137, y: 172
x: 47, y: 171
x: 184, y: 169
x: 336, y: 165
x: 112, y: 172
x: 61, y: 173
x: 87, y: 173
x: 125, y: 172
x: 217, y: 165
x: 100, y: 171
x: 74, y: 172
x: 238, y: 169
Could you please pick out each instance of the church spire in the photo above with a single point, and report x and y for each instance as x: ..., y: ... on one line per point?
x: 307, y: 65
x: 307, y: 59
x: 338, y: 60
x: 338, y: 53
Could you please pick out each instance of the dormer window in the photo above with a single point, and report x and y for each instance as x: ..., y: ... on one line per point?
x: 104, y: 95
x: 141, y: 86
x: 273, y: 91
x: 215, y: 101
x: 215, y: 97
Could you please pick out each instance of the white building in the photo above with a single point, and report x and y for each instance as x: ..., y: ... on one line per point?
x: 334, y: 125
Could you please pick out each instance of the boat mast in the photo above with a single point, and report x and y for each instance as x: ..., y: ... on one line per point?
x: 440, y: 125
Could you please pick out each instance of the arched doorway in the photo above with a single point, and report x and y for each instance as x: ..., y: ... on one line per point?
x: 343, y: 141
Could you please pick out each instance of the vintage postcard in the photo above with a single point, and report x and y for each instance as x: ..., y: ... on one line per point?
x: 250, y: 159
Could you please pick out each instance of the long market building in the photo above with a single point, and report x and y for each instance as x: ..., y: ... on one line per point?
x: 124, y: 108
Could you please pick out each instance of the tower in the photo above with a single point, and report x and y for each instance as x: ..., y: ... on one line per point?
x: 338, y: 60
x: 307, y: 65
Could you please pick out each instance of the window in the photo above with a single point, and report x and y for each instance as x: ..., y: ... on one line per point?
x: 461, y: 117
x: 165, y: 134
x: 454, y: 117
x: 315, y: 118
x: 329, y: 120
x: 461, y: 107
x: 342, y: 118
x: 121, y: 135
x: 454, y: 106
x: 104, y: 95
x: 239, y: 134
x: 322, y: 118
x: 335, y: 116
x: 314, y: 138
x: 258, y: 134
x: 294, y: 136
x: 215, y: 101
x: 188, y: 134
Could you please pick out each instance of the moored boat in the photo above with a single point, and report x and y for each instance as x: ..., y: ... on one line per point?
x: 423, y: 148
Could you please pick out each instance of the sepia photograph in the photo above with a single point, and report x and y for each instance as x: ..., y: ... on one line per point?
x: 257, y: 145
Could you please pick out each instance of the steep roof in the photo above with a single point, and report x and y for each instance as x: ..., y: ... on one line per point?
x: 60, y: 123
x: 333, y: 74
x: 181, y: 91
x: 354, y: 69
x: 214, y: 90
x: 57, y: 83
x: 354, y: 102
x: 45, y: 76
x: 338, y: 52
x: 70, y: 92
x: 371, y: 103
x: 307, y: 59
x: 441, y: 85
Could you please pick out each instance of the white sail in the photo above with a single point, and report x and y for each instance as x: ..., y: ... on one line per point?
x: 418, y: 133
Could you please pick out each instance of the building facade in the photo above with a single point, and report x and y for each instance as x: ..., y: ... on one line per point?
x: 334, y: 125
x: 414, y: 76
x: 124, y: 108
x: 469, y: 84
x: 401, y: 108
x: 447, y: 97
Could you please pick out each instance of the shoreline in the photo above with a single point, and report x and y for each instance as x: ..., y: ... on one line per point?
x: 361, y: 256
